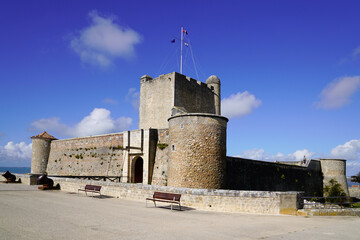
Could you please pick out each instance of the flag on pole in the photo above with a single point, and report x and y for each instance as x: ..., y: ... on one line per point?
x: 186, y: 44
x: 186, y: 32
x: 173, y: 41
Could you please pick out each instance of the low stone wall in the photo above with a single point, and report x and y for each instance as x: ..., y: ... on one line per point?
x: 218, y: 200
x: 354, y: 191
x: 203, y: 199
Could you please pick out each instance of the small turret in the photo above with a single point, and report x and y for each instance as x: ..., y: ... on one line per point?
x: 213, y: 83
x: 145, y: 78
x: 40, y: 152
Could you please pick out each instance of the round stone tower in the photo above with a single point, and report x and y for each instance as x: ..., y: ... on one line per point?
x: 334, y: 169
x: 40, y: 152
x: 197, y: 151
x: 214, y: 84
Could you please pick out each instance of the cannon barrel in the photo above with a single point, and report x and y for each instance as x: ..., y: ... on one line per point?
x: 44, y: 180
x: 9, y: 177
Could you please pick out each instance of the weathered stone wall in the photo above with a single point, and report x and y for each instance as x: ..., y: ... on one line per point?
x: 159, y: 95
x: 88, y: 156
x: 194, y: 96
x: 39, y: 155
x: 354, y: 191
x: 160, y: 174
x: 335, y: 169
x: 197, y: 151
x: 246, y: 174
x: 156, y: 101
x: 202, y: 199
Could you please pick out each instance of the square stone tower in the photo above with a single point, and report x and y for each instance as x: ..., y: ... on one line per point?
x: 160, y: 95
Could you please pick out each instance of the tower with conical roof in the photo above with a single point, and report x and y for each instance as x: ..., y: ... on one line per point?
x: 40, y: 152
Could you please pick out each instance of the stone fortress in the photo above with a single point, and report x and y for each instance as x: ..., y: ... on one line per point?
x: 180, y: 143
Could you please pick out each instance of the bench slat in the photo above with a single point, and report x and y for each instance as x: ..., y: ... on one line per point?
x: 91, y: 188
x: 166, y: 197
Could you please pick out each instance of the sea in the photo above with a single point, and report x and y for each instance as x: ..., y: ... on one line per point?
x: 19, y: 170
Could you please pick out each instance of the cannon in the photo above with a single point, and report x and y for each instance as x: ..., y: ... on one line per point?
x: 47, y: 183
x: 10, y: 178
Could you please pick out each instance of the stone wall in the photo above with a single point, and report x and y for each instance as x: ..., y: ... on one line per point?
x: 202, y: 199
x: 156, y: 101
x: 197, y: 151
x: 194, y: 96
x: 354, y: 191
x: 159, y: 95
x: 246, y: 174
x: 162, y: 152
x: 335, y: 169
x: 88, y: 156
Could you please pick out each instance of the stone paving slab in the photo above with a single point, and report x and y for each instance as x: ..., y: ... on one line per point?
x: 33, y: 214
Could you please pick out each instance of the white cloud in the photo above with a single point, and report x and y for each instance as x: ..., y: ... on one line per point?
x: 103, y: 41
x: 110, y: 101
x: 15, y: 154
x: 356, y: 52
x: 51, y: 124
x: 16, y: 150
x: 337, y: 94
x: 350, y: 150
x: 133, y: 96
x: 259, y: 154
x: 239, y: 104
x: 99, y: 121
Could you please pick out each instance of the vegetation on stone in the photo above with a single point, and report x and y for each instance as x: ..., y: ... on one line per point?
x: 333, y: 189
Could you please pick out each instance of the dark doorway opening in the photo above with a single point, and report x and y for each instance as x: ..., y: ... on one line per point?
x: 139, y: 170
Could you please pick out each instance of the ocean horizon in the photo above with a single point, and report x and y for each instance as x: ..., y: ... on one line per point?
x: 19, y: 170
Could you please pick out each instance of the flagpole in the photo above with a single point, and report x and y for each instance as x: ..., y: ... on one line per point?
x: 182, y: 39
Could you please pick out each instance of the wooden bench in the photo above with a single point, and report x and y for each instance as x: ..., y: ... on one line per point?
x: 91, y: 188
x: 165, y: 197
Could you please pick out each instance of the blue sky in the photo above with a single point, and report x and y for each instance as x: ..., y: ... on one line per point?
x: 290, y: 71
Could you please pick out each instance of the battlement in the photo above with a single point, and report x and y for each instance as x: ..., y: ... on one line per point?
x: 159, y: 95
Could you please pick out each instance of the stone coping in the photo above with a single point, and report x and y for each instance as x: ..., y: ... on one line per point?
x: 332, y: 159
x: 199, y: 115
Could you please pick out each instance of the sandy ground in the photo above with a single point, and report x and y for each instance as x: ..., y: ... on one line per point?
x: 27, y: 213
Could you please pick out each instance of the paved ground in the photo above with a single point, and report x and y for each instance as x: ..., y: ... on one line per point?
x: 26, y: 213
